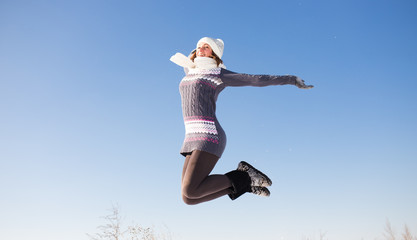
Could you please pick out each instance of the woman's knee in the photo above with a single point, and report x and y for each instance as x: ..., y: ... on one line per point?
x: 189, y: 192
x: 189, y: 201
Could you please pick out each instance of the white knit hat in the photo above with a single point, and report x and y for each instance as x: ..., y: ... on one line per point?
x: 217, y: 45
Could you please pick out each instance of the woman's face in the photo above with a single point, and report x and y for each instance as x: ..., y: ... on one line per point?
x: 204, y: 50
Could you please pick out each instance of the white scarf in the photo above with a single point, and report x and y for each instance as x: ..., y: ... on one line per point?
x: 199, y: 62
x: 205, y: 63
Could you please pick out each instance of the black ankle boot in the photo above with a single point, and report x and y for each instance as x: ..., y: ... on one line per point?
x: 241, y: 183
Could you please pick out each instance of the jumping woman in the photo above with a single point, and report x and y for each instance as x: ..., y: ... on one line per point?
x: 205, y: 140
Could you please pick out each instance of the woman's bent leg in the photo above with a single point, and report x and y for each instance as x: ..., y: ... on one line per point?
x: 206, y: 198
x: 197, y: 185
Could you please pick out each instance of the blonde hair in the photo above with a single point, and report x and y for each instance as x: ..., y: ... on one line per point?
x: 214, y: 56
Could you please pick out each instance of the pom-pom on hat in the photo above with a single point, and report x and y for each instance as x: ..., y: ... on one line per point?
x: 217, y: 45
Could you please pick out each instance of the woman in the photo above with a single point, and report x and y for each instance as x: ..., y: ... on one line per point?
x: 205, y: 140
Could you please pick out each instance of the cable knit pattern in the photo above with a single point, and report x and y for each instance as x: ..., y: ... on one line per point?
x: 199, y: 91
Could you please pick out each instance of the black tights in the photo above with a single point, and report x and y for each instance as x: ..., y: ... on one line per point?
x: 197, y: 185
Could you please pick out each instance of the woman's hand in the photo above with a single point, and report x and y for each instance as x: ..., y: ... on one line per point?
x: 300, y: 84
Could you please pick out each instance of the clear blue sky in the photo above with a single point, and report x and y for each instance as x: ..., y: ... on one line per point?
x: 90, y: 116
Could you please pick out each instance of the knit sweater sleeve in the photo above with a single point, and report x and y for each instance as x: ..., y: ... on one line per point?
x: 233, y: 79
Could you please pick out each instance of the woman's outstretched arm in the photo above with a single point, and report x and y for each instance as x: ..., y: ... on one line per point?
x: 234, y: 79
